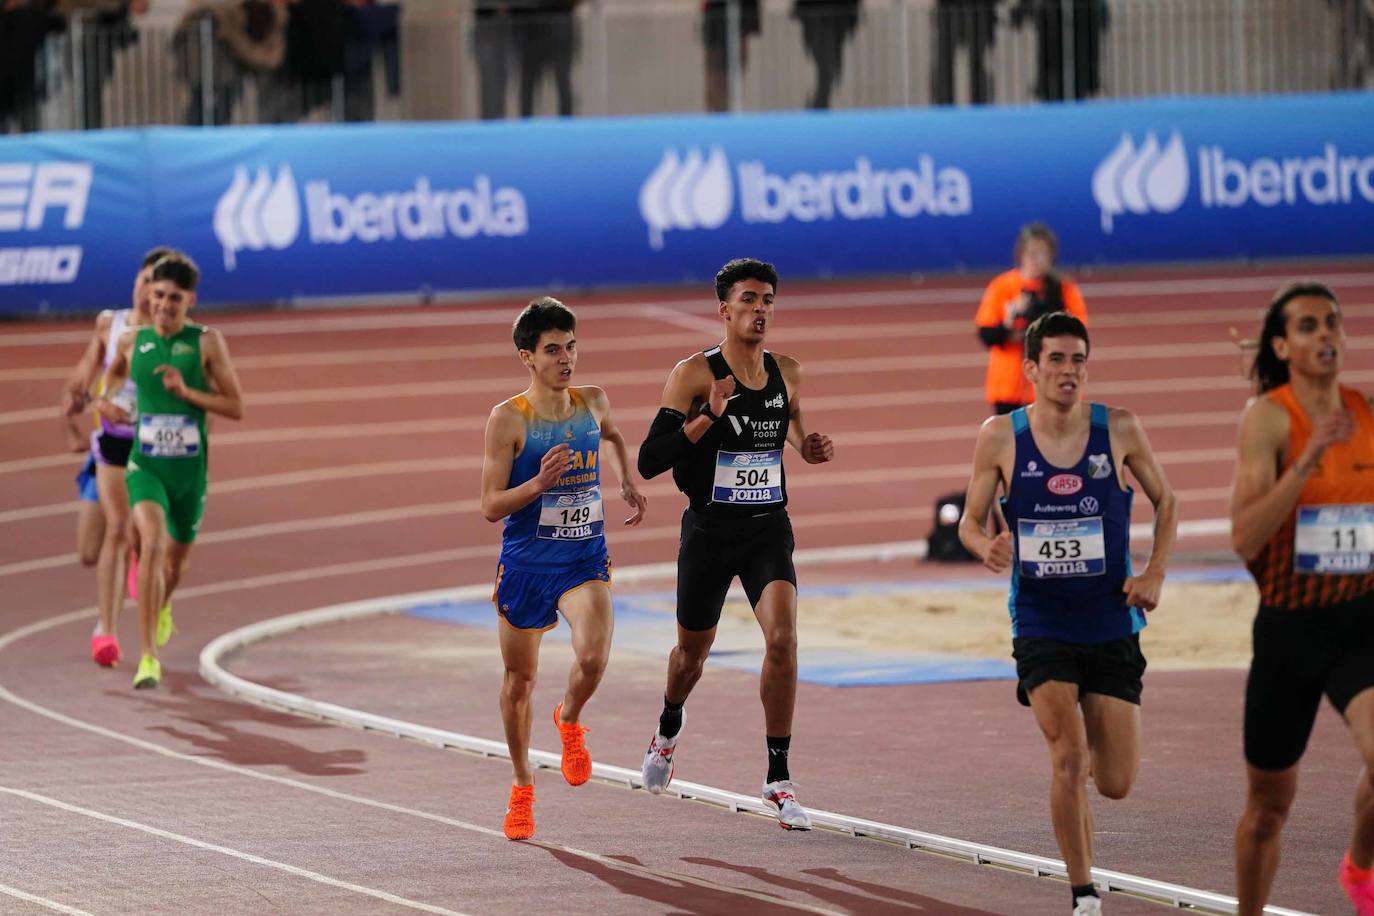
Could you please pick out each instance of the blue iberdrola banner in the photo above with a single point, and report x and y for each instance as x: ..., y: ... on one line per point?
x: 276, y: 214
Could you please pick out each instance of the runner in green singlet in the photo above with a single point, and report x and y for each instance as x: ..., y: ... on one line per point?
x: 183, y: 371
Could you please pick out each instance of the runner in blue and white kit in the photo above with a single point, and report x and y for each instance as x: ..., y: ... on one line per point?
x: 1076, y: 608
x: 109, y: 453
x: 542, y: 475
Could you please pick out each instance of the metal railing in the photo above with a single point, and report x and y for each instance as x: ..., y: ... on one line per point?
x: 668, y: 56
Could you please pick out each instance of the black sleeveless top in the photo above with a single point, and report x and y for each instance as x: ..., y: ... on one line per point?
x: 736, y: 469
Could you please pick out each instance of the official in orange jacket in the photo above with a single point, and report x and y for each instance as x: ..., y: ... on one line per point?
x: 1012, y: 301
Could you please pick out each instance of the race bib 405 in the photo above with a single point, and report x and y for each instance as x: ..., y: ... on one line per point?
x: 168, y: 436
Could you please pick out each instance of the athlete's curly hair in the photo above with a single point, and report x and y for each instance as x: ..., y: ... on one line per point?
x: 1268, y: 371
x: 543, y: 314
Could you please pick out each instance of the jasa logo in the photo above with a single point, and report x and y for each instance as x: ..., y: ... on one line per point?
x: 1064, y: 484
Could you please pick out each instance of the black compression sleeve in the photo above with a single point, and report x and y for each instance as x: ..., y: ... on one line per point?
x: 664, y: 444
x: 994, y: 335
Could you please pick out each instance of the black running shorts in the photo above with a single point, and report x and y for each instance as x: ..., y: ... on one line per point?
x: 1114, y: 668
x: 1301, y: 654
x: 114, y: 450
x: 712, y: 553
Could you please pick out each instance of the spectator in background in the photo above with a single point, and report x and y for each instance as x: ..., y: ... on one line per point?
x: 106, y: 27
x: 714, y: 35
x: 1014, y: 300
x: 1087, y: 24
x: 492, y: 41
x: 250, y: 39
x: 24, y: 26
x: 317, y: 35
x: 826, y: 25
x: 545, y: 38
x: 960, y: 23
x: 535, y: 35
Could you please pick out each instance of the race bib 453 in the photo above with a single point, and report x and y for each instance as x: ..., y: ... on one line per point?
x: 1061, y: 548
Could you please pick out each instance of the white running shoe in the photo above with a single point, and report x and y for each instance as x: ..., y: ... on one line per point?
x: 1087, y: 906
x: 783, y: 795
x: 657, y: 769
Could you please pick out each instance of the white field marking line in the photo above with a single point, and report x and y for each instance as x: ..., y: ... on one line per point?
x: 971, y: 359
x: 661, y: 571
x: 41, y: 901
x: 227, y: 851
x: 692, y: 322
x: 658, y: 490
x: 236, y: 640
x: 458, y: 315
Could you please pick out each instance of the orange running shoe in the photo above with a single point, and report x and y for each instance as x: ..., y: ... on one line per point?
x: 577, y: 760
x: 520, y: 813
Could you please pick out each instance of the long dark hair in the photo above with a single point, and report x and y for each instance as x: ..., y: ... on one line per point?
x: 1268, y: 371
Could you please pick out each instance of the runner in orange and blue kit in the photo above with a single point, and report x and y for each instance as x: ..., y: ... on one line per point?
x: 542, y: 474
x: 1076, y: 608
x: 1302, y: 517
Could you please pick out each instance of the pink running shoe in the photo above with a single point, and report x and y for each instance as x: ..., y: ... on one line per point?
x: 105, y: 651
x: 1358, y: 884
x: 132, y: 582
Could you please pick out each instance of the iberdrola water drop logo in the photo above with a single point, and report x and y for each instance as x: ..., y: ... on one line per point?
x: 258, y: 213
x: 692, y: 192
x: 1144, y: 179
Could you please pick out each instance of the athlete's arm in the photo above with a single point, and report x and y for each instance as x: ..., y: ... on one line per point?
x: 814, y: 448
x: 1143, y: 590
x: 988, y: 456
x: 76, y: 392
x: 115, y: 377
x: 227, y: 397
x: 503, y: 439
x: 1261, y: 498
x: 672, y: 432
x: 618, y: 456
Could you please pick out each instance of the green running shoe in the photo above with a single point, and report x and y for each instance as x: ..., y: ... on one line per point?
x: 165, y: 627
x: 149, y: 672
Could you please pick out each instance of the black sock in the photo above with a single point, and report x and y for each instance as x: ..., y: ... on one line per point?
x: 670, y: 720
x: 1082, y: 890
x: 777, y: 757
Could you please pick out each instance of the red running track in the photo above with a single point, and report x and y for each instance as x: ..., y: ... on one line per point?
x: 355, y: 475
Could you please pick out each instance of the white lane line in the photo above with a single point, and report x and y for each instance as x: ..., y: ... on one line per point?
x: 780, y: 337
x: 846, y: 368
x: 979, y: 853
x: 451, y: 315
x: 450, y: 425
x: 663, y: 489
x: 232, y: 853
x: 661, y: 875
x: 41, y: 901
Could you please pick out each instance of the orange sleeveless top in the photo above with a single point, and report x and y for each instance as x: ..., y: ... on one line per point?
x: 1326, y: 563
